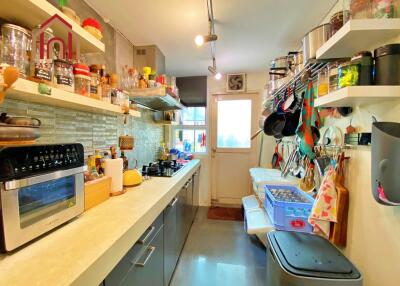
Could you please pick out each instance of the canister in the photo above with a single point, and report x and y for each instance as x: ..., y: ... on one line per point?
x: 387, y: 65
x: 365, y: 62
x: 338, y: 20
x: 63, y: 75
x: 348, y: 74
x: 95, y: 88
x: 82, y: 79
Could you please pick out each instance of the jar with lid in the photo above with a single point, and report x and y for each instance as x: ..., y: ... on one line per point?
x: 348, y: 74
x: 95, y: 88
x: 63, y: 75
x: 365, y: 62
x: 105, y: 85
x: 386, y: 8
x: 323, y: 82
x: 48, y: 34
x: 16, y: 47
x: 333, y: 76
x: 82, y: 79
x: 360, y: 9
x: 387, y: 65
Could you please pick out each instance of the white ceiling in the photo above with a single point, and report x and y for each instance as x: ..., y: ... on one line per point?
x: 250, y: 32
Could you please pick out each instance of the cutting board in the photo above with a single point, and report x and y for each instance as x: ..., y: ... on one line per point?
x: 97, y: 191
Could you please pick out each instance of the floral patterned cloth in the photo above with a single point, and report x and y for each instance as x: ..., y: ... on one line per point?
x: 324, y: 209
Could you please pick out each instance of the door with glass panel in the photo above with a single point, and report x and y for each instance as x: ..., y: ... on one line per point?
x: 233, y: 121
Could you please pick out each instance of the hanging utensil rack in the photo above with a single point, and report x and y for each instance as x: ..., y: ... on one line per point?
x: 310, y: 71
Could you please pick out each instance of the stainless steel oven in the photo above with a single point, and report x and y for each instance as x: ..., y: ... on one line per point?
x: 41, y: 188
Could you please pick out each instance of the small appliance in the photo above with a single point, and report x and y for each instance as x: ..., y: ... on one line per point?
x: 41, y: 187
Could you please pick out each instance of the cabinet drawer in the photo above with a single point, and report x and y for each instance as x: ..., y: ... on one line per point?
x: 116, y: 276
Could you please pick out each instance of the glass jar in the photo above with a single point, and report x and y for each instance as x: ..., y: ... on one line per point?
x: 16, y: 47
x: 365, y: 62
x: 82, y: 79
x: 338, y: 20
x: 323, y: 82
x: 95, y: 88
x: 360, y: 9
x: 386, y: 8
x: 348, y: 74
x: 333, y: 76
x: 63, y: 75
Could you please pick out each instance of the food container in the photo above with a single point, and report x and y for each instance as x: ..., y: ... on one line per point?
x: 280, y: 63
x: 348, y: 74
x: 387, y: 65
x: 314, y: 40
x: 386, y: 8
x: 298, y: 62
x: 333, y: 76
x: 338, y: 20
x: 365, y: 62
x: 16, y: 47
x: 82, y: 79
x: 323, y: 82
x: 360, y: 9
x: 95, y: 89
x: 63, y: 75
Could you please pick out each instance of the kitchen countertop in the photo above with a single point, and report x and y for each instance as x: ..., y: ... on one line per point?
x: 85, y: 250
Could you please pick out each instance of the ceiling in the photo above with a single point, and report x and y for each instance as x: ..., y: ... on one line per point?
x: 250, y: 33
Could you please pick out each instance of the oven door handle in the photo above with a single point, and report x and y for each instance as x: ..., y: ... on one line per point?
x: 26, y: 182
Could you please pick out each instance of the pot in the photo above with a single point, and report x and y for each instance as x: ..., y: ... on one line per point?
x: 10, y: 132
x: 20, y: 120
x: 274, y: 124
x: 313, y: 40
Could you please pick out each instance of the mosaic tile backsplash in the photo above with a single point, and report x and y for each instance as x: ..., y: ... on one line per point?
x: 94, y: 131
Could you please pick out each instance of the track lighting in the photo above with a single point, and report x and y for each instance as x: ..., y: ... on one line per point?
x: 218, y: 76
x: 213, y: 69
x: 200, y: 40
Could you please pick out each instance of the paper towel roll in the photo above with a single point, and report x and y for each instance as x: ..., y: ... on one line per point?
x: 114, y: 168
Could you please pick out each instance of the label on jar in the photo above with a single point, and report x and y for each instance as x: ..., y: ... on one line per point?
x: 43, y: 73
x: 64, y: 80
x: 93, y: 89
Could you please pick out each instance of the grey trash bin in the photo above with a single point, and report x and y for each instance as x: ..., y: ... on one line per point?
x: 303, y: 259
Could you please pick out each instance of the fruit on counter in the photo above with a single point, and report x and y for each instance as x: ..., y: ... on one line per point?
x: 93, y: 27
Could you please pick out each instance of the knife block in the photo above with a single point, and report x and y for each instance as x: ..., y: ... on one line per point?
x: 385, y: 154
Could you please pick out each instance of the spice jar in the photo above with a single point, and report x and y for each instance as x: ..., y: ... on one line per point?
x: 323, y: 82
x: 95, y: 88
x: 338, y: 20
x: 82, y: 79
x: 16, y: 47
x: 63, y: 75
x: 365, y: 62
x: 360, y: 9
x: 348, y: 74
x: 385, y: 8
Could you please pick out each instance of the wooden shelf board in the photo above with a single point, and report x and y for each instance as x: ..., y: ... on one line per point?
x: 26, y: 90
x: 30, y: 13
x: 359, y: 35
x: 358, y: 95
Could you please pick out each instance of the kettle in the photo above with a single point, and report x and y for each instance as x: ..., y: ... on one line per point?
x: 132, y: 178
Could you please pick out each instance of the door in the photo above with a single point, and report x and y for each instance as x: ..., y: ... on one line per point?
x: 233, y: 121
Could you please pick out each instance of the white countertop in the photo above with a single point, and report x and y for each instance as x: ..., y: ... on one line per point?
x: 85, y: 250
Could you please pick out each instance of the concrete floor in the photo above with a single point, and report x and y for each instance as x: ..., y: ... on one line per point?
x: 220, y: 253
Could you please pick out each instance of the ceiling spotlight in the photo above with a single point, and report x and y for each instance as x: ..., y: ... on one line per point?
x: 218, y: 76
x: 200, y: 40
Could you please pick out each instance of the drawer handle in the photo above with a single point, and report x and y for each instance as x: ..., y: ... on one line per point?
x: 173, y: 203
x: 150, y: 231
x: 150, y: 250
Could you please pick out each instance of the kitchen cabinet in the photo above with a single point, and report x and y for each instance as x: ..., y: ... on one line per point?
x: 171, y: 252
x: 196, y: 191
x: 144, y: 262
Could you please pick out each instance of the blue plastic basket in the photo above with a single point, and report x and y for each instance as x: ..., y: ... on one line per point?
x: 291, y: 212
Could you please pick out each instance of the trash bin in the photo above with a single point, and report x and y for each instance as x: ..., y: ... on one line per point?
x: 303, y: 259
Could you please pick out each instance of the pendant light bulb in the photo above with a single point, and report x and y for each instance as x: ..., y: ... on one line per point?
x: 218, y: 76
x: 199, y: 40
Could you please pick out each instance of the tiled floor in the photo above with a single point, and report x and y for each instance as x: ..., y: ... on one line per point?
x: 220, y: 253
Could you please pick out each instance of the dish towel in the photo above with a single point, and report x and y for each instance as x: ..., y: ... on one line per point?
x: 308, y: 129
x: 324, y: 209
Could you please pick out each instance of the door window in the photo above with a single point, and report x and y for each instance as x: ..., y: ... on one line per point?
x: 234, y: 123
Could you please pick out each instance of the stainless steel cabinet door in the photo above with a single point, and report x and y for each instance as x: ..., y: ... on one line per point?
x: 148, y: 269
x: 171, y: 253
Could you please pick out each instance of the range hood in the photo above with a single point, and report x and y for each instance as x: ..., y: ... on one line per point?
x: 158, y: 98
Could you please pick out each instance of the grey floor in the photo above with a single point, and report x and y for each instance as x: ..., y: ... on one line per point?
x: 220, y: 253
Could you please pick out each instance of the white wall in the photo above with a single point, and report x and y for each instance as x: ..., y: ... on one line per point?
x: 373, y: 230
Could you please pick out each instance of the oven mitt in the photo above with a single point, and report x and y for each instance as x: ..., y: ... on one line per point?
x: 324, y: 209
x: 308, y: 129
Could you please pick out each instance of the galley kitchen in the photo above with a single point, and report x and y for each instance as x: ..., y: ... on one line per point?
x: 199, y: 142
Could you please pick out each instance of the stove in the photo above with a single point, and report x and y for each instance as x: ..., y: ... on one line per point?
x: 162, y: 168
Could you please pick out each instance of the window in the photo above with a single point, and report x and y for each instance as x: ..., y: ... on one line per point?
x: 190, y: 137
